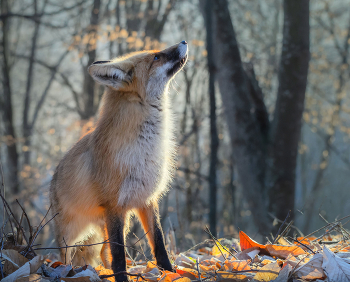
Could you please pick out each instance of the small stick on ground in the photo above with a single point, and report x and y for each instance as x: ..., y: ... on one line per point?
x: 37, y: 233
x: 306, y: 246
x: 280, y: 229
x: 331, y: 223
x: 28, y: 222
x: 217, y: 241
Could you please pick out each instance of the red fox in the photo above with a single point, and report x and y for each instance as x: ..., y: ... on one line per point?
x: 125, y: 164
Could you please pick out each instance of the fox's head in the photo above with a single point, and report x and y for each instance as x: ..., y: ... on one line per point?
x: 147, y: 73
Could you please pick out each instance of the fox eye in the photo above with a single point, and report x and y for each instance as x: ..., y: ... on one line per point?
x: 156, y: 58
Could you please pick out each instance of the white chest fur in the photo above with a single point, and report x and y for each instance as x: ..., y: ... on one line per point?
x: 145, y: 159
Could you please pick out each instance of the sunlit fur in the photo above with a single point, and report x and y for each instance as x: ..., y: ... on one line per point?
x: 127, y: 161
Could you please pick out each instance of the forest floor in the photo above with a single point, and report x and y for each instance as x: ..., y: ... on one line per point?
x: 323, y: 255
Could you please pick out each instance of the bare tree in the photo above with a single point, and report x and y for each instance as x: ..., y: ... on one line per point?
x: 6, y: 104
x: 265, y: 153
x: 214, y: 139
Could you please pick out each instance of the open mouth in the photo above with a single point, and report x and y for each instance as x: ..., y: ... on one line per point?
x: 177, y: 66
x: 183, y: 61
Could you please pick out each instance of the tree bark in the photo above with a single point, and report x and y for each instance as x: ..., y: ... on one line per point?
x: 6, y: 107
x: 89, y: 84
x: 26, y: 126
x: 286, y: 125
x: 214, y: 139
x: 247, y: 143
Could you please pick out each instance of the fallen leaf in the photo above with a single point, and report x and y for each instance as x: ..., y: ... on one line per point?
x: 282, y: 241
x: 13, y: 261
x: 60, y: 271
x: 283, y: 251
x: 335, y: 267
x: 152, y: 275
x: 77, y: 279
x: 28, y: 268
x: 246, y: 242
x: 312, y: 269
x: 305, y: 240
x: 184, y: 261
x: 268, y: 272
x: 169, y: 276
x: 187, y: 272
x: 244, y: 254
x: 218, y: 251
x: 238, y: 265
x: 284, y: 274
x: 105, y: 271
x: 33, y: 278
x: 56, y: 264
x: 224, y: 276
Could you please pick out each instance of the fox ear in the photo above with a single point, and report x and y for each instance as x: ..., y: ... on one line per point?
x: 110, y: 74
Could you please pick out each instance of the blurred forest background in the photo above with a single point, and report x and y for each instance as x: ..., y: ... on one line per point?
x: 263, y: 130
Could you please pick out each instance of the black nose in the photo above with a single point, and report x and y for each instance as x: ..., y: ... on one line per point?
x: 184, y: 42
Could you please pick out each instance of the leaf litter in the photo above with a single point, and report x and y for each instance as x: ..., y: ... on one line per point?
x: 306, y: 258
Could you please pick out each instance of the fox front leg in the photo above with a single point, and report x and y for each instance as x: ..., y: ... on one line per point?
x: 149, y: 217
x: 115, y: 227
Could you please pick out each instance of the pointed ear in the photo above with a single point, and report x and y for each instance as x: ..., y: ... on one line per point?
x: 111, y: 74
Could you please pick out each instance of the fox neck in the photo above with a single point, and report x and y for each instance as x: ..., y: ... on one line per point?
x: 124, y: 113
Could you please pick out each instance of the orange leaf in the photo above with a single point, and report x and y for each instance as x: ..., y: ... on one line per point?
x: 169, y: 276
x: 187, y: 272
x: 305, y: 240
x: 239, y: 265
x: 283, y: 251
x: 56, y: 264
x: 247, y: 242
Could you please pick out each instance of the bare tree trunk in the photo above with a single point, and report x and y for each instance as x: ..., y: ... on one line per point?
x: 265, y: 154
x: 286, y: 125
x: 6, y: 107
x: 247, y: 142
x: 89, y: 85
x: 214, y: 139
x: 26, y: 126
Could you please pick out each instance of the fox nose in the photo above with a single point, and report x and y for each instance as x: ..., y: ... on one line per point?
x: 184, y: 42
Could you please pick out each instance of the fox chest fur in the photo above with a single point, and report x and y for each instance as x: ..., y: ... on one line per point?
x: 133, y: 160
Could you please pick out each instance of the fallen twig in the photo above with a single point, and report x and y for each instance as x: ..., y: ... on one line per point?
x: 280, y: 229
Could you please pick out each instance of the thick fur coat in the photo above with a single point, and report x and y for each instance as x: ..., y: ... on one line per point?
x: 125, y: 163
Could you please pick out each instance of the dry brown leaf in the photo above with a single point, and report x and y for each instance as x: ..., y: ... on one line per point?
x: 268, y: 272
x: 284, y: 274
x: 33, y: 278
x: 336, y: 268
x: 224, y: 276
x: 13, y: 261
x: 312, y: 269
x: 244, y: 254
x: 282, y: 241
x: 280, y: 251
x: 238, y: 265
x: 28, y: 268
